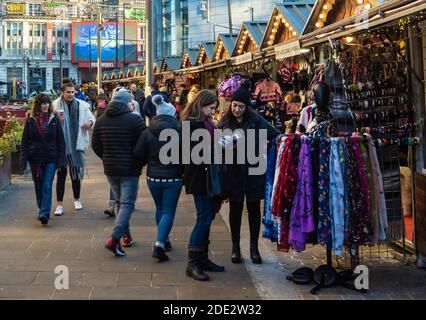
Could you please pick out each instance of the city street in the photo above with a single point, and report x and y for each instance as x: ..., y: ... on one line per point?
x: 29, y: 254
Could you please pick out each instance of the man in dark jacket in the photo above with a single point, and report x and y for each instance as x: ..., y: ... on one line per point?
x: 114, y: 137
x: 148, y: 107
x: 138, y: 94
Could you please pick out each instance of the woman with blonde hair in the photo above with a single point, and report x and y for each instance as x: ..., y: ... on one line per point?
x: 198, y: 113
x: 43, y: 146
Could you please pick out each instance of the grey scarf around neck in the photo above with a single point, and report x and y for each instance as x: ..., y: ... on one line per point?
x: 74, y: 158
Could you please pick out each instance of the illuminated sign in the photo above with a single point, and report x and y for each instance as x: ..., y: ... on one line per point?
x: 16, y: 8
x: 53, y: 9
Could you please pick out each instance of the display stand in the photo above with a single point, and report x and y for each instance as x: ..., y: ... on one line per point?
x: 325, y: 276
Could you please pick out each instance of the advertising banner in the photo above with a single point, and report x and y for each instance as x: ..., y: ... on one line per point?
x: 49, y: 40
x: 119, y: 42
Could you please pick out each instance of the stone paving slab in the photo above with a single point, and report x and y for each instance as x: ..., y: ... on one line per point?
x: 30, y: 252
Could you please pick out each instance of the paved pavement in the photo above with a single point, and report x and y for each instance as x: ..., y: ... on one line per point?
x: 29, y: 254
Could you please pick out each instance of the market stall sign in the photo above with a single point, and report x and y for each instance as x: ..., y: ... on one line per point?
x: 16, y: 8
x: 135, y: 14
x: 287, y: 50
x: 244, y: 58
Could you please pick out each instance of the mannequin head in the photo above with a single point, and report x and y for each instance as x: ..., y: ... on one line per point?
x: 322, y: 95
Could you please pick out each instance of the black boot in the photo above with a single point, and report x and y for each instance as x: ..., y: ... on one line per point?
x: 236, y: 253
x: 194, y: 269
x: 209, y: 265
x: 160, y: 254
x: 254, y: 253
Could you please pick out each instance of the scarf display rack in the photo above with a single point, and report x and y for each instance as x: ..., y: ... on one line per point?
x: 309, y: 199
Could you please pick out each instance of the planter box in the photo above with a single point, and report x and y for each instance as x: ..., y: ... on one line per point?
x: 420, y: 223
x: 15, y: 163
x: 5, y: 173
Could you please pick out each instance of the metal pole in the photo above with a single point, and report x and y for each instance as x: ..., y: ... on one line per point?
x: 149, y: 46
x: 100, y: 28
x: 90, y: 55
x: 116, y: 39
x: 60, y: 63
x: 230, y: 16
x: 124, y: 34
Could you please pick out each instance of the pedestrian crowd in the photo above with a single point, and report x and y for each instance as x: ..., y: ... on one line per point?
x: 127, y: 132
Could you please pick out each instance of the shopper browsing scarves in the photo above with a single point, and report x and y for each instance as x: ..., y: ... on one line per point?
x: 76, y: 119
x: 43, y: 146
x: 198, y: 113
x: 164, y: 179
x: 245, y: 186
x: 114, y: 138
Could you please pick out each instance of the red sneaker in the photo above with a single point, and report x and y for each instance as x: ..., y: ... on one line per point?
x: 115, y: 247
x: 127, y: 241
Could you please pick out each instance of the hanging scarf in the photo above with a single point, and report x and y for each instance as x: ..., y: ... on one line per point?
x: 269, y: 184
x: 302, y: 217
x: 324, y: 218
x: 74, y: 158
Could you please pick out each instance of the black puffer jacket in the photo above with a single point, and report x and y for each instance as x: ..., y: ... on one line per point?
x: 149, y: 146
x: 114, y: 137
x: 244, y: 185
x: 38, y: 150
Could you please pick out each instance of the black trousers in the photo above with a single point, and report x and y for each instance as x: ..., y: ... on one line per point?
x: 254, y: 218
x: 60, y: 185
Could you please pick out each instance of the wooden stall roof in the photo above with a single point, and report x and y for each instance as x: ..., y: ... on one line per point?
x: 250, y: 37
x: 287, y: 21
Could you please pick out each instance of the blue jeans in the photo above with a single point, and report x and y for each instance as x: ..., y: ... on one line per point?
x: 125, y: 189
x: 205, y: 216
x: 43, y: 187
x: 166, y: 196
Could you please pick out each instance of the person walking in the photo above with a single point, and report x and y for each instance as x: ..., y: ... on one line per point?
x: 114, y: 138
x: 43, y: 146
x: 149, y: 109
x: 76, y: 120
x: 111, y: 210
x: 101, y: 103
x: 198, y: 114
x: 243, y: 185
x: 164, y: 180
x: 138, y: 94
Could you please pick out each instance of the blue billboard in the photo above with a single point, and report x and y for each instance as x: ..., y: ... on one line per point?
x: 119, y: 42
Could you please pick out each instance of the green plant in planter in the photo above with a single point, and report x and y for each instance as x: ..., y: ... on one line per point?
x: 13, y: 130
x: 6, y: 146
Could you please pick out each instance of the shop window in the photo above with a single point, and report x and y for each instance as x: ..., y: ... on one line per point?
x: 15, y: 74
x: 57, y: 77
x: 37, y: 79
